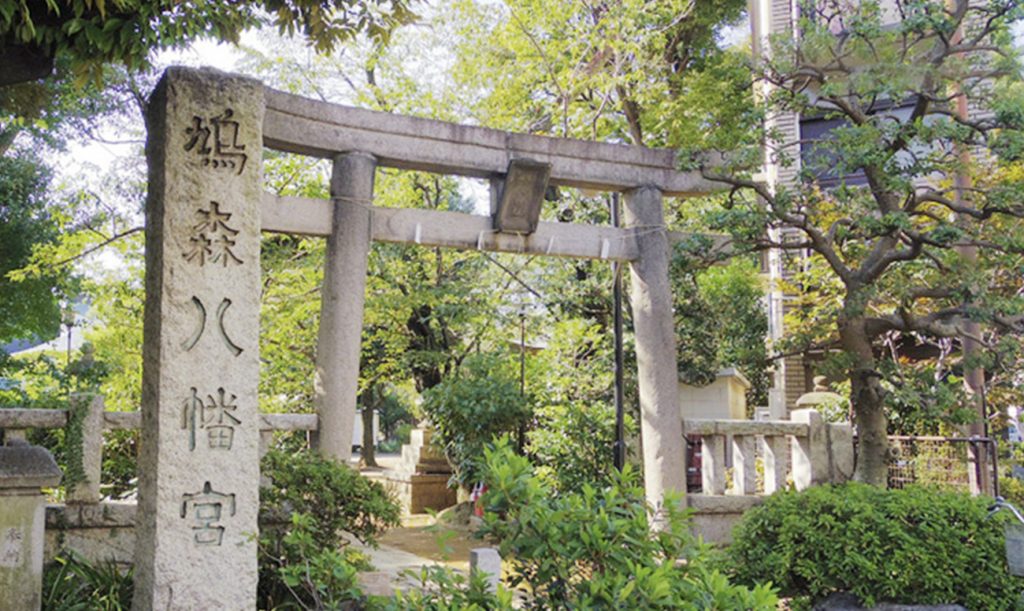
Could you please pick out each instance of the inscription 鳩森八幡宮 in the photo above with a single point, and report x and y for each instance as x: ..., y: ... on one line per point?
x: 222, y: 132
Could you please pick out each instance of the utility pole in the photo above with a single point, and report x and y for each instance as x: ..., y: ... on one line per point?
x: 620, y: 423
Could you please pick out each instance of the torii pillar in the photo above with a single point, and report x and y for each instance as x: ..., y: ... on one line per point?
x: 661, y: 429
x: 343, y: 296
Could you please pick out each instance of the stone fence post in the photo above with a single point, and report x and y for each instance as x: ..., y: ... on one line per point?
x: 825, y: 455
x: 24, y: 471
x: 810, y: 453
x: 840, y: 452
x: 486, y: 561
x: 85, y: 434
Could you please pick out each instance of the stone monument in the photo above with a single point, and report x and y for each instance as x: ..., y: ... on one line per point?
x: 199, y: 461
x: 421, y: 478
x: 24, y: 471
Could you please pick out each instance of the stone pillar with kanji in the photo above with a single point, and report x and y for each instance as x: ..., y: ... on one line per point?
x: 199, y: 460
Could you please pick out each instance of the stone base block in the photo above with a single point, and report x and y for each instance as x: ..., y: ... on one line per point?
x: 98, y: 532
x: 419, y: 492
x: 716, y: 515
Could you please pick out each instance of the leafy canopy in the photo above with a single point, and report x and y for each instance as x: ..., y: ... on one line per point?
x: 96, y: 32
x: 905, y: 206
x: 31, y: 307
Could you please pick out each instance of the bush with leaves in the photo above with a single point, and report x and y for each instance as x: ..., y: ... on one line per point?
x: 915, y: 546
x: 571, y: 383
x: 71, y: 583
x: 309, y: 574
x: 473, y: 407
x: 439, y: 588
x: 573, y: 444
x: 315, y: 501
x: 595, y: 549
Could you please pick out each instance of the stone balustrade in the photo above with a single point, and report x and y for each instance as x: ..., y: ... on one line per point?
x: 767, y: 455
x: 93, y: 421
x: 97, y: 528
x: 802, y: 451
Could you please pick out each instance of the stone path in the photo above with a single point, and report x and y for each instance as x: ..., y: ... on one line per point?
x: 417, y: 543
x: 392, y: 565
x: 408, y: 549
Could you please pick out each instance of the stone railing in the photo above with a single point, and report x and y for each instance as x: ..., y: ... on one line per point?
x: 94, y: 527
x: 820, y: 452
x: 803, y: 451
x: 765, y: 456
x: 90, y: 411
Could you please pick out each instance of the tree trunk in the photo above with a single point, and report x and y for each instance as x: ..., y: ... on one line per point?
x: 867, y: 397
x: 369, y: 450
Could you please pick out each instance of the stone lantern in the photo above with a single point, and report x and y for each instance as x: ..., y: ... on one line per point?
x: 826, y: 402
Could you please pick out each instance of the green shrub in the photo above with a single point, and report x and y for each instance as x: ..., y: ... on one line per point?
x: 573, y: 443
x: 439, y: 588
x: 337, y: 496
x: 304, y: 561
x: 71, y: 583
x: 915, y: 546
x: 1012, y: 489
x: 595, y: 549
x: 469, y: 410
x: 314, y: 575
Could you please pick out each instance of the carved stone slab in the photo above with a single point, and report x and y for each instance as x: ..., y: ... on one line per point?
x: 199, y: 464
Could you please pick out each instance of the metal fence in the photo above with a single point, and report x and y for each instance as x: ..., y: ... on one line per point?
x: 955, y: 463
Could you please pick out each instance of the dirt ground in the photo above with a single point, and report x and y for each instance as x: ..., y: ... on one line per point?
x: 408, y: 548
x: 421, y: 540
x: 438, y: 543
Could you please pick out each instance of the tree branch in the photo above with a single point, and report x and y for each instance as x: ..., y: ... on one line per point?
x: 96, y: 247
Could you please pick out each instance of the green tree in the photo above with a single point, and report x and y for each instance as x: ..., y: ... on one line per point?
x: 31, y: 307
x: 720, y: 322
x: 571, y: 386
x: 640, y: 72
x: 54, y: 111
x: 635, y: 71
x: 470, y: 409
x: 91, y: 33
x: 919, y: 234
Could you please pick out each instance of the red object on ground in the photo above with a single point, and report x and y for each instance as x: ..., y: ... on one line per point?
x: 477, y: 497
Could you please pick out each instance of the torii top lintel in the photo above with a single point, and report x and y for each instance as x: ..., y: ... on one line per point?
x: 310, y: 127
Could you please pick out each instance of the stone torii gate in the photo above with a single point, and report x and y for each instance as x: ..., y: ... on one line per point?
x: 199, y: 467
